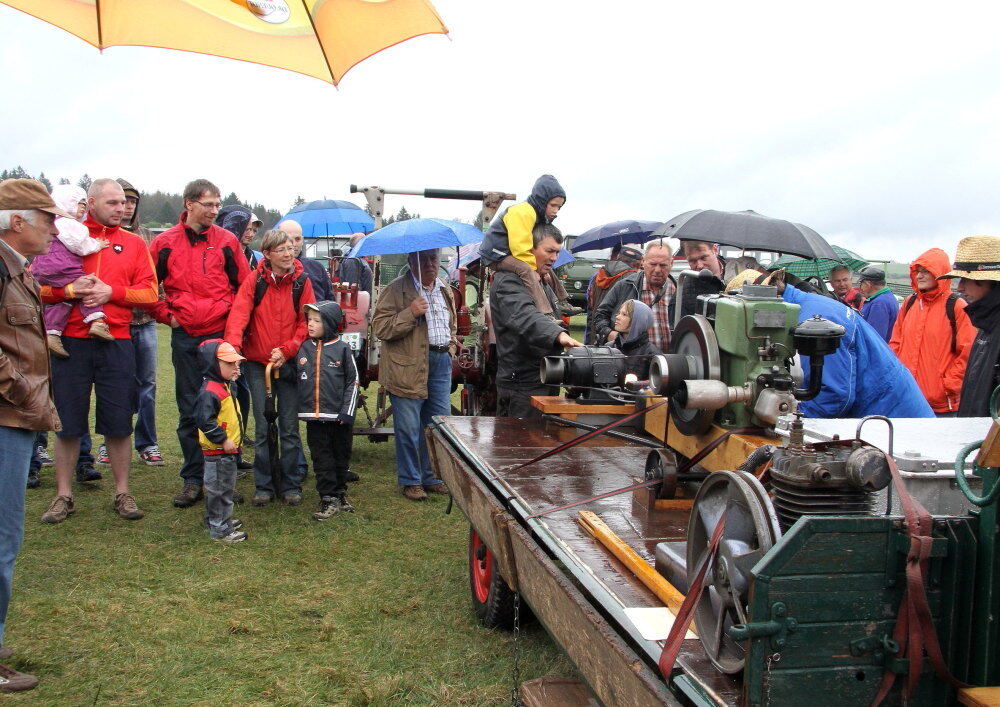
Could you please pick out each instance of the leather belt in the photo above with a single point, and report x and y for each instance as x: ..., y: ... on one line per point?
x: 440, y: 349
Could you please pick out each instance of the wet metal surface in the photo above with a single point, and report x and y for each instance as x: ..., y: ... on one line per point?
x: 595, y: 467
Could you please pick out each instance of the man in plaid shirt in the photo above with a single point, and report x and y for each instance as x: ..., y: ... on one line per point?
x: 653, y: 285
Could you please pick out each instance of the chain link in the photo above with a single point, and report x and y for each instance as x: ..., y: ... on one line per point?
x: 773, y: 658
x: 515, y: 688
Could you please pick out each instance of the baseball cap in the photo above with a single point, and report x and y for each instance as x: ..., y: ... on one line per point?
x: 227, y: 352
x: 872, y: 274
x: 23, y: 194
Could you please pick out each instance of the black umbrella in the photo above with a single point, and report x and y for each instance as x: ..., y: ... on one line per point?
x: 747, y: 230
x: 271, y: 415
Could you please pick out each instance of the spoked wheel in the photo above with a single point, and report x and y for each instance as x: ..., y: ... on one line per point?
x: 751, y: 530
x: 492, y: 599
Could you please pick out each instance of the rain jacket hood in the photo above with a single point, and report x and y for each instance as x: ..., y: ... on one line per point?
x: 609, y: 274
x: 207, y: 353
x: 546, y: 188
x: 68, y: 197
x: 936, y: 262
x: 133, y: 222
x: 234, y: 218
x: 332, y: 316
x: 642, y: 321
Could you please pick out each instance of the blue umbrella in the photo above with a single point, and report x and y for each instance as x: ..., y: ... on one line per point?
x: 415, y: 234
x: 330, y: 217
x: 615, y: 233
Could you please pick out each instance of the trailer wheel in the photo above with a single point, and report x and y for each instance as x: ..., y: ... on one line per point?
x: 492, y: 599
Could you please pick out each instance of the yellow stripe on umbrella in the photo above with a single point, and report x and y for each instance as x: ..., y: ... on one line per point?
x: 320, y: 38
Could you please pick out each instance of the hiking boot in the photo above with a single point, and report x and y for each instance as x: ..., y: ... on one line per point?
x: 345, y: 505
x: 59, y: 510
x: 151, y: 456
x: 292, y: 499
x: 261, y: 498
x: 13, y: 681
x: 238, y: 497
x: 351, y: 477
x: 102, y: 456
x: 242, y: 464
x: 329, y: 506
x: 43, y: 456
x: 126, y: 507
x: 86, y: 472
x: 568, y: 310
x: 99, y: 330
x: 34, y: 480
x: 437, y: 488
x: 233, y: 537
x: 189, y: 495
x: 56, y: 346
x: 415, y: 493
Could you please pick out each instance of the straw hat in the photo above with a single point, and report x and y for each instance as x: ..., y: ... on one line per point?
x: 752, y: 277
x: 978, y: 258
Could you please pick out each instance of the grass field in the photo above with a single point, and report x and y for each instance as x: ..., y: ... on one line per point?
x: 369, y: 608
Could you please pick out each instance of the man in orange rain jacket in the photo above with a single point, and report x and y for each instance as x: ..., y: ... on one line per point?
x: 933, y: 334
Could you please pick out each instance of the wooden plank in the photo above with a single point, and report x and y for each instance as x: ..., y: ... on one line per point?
x: 839, y: 553
x: 558, y: 405
x: 612, y: 670
x: 729, y: 455
x: 979, y: 696
x: 556, y: 692
x: 989, y: 453
x: 664, y: 590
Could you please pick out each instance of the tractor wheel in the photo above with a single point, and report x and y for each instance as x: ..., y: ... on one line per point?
x: 492, y: 599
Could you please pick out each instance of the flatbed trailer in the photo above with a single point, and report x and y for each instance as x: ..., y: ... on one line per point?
x: 608, y: 623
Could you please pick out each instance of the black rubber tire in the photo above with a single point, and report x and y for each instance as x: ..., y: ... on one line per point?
x: 492, y: 599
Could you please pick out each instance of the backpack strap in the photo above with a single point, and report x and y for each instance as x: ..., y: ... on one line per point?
x: 298, y: 285
x: 259, y: 288
x: 909, y: 303
x: 949, y: 308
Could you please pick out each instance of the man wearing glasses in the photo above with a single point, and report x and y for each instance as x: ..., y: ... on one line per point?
x: 200, y: 266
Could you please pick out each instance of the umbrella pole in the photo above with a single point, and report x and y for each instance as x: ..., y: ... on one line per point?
x: 273, y: 439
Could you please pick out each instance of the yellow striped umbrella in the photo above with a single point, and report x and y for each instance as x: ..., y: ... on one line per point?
x: 321, y: 38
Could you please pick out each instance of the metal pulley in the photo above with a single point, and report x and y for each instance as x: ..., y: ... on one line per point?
x: 694, y: 359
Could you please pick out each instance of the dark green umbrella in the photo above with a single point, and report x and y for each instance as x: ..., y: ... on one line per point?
x: 819, y: 267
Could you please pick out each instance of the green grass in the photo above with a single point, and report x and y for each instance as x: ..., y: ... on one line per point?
x: 369, y: 608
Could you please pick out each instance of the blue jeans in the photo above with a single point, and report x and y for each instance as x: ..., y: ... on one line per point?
x: 144, y: 346
x: 410, y: 417
x: 286, y: 395
x: 16, y: 447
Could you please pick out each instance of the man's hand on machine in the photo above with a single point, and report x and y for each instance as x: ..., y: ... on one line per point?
x: 567, y: 341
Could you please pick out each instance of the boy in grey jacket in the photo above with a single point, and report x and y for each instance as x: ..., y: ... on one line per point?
x: 328, y: 394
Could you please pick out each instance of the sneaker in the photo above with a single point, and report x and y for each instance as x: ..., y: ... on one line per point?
x: 126, y: 507
x: 151, y: 455
x: 329, y: 506
x: 34, y: 480
x: 235, y: 524
x: 189, y: 495
x: 292, y: 499
x: 261, y: 498
x: 43, y: 456
x: 102, y: 456
x: 59, y: 510
x: 86, y: 472
x: 345, y: 505
x: 13, y: 681
x: 415, y: 493
x: 351, y: 477
x: 569, y: 310
x: 437, y: 488
x: 99, y: 330
x: 242, y: 464
x: 56, y: 346
x: 234, y: 536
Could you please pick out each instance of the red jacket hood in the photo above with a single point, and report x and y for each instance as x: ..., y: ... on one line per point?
x: 937, y: 263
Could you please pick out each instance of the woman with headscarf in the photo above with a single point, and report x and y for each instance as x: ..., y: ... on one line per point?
x: 633, y: 322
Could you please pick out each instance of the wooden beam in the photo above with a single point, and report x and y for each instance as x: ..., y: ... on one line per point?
x: 980, y: 696
x: 558, y: 405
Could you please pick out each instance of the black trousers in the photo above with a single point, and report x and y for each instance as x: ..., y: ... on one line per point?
x: 330, y: 448
x: 516, y: 402
x: 187, y: 383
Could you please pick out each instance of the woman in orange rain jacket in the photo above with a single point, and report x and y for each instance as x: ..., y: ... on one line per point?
x: 933, y: 334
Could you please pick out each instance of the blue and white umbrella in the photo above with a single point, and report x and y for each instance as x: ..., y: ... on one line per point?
x: 330, y: 217
x: 414, y: 235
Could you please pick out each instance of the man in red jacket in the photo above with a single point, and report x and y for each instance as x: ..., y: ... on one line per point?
x: 933, y: 334
x: 120, y: 277
x: 200, y: 267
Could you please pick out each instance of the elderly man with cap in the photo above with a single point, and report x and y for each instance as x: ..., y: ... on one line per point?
x: 977, y: 265
x: 27, y: 226
x: 880, y: 307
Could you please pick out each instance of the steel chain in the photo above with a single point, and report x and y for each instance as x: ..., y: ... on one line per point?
x: 515, y: 689
x: 773, y: 658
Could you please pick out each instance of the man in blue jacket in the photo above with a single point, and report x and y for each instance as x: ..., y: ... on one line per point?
x: 863, y: 376
x: 880, y: 306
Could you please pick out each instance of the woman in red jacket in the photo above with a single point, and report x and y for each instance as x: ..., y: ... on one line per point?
x: 267, y: 325
x: 933, y: 335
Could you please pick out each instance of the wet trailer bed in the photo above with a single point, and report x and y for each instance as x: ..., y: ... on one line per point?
x: 601, y: 615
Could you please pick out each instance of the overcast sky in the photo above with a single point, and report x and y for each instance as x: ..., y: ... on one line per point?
x: 878, y: 124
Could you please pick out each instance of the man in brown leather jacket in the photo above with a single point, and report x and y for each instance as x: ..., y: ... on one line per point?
x: 27, y: 226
